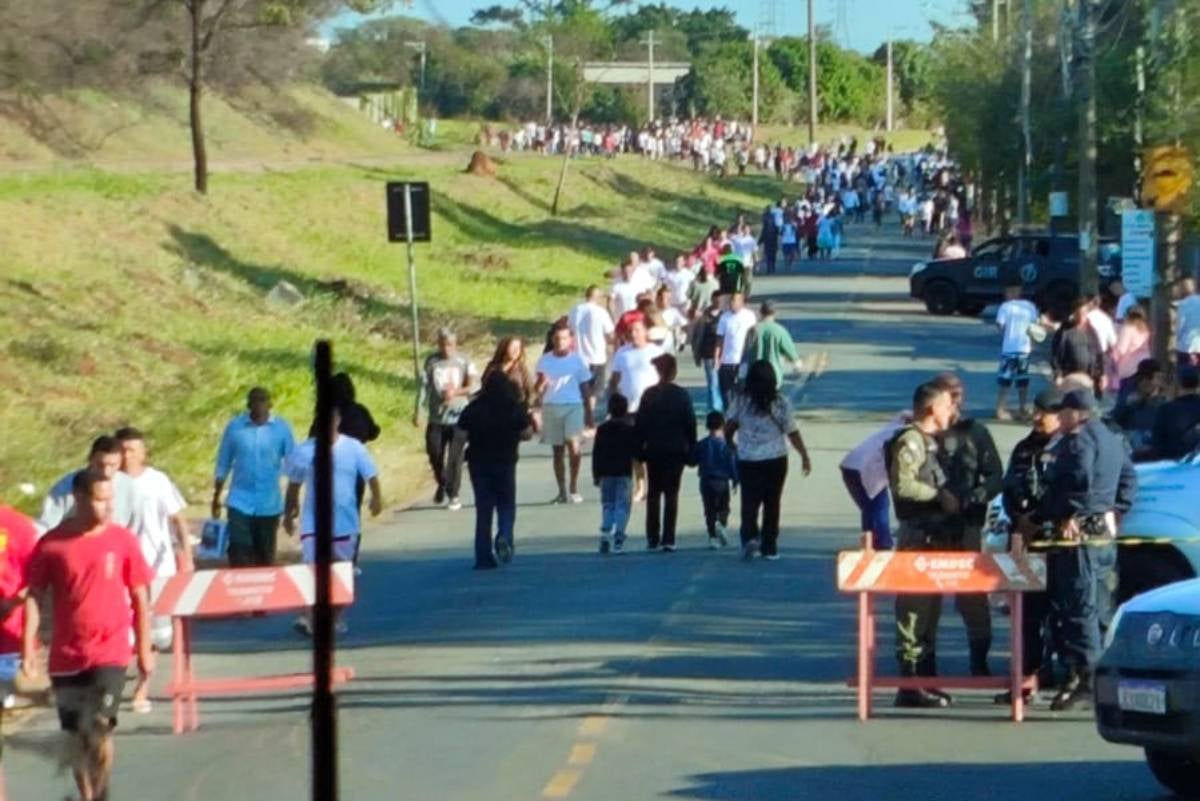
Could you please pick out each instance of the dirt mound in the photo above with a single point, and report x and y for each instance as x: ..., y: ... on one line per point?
x: 481, y: 165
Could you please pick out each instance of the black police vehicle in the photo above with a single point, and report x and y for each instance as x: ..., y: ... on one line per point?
x: 1046, y: 264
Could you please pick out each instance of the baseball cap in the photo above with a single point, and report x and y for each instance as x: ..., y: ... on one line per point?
x: 1080, y: 400
x: 767, y: 308
x: 1048, y: 400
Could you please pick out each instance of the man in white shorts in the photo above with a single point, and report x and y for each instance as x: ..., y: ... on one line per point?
x: 163, y: 535
x: 564, y: 387
x: 351, y: 461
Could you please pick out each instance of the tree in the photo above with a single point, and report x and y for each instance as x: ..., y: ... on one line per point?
x: 210, y: 22
x: 911, y: 65
x: 721, y: 83
x: 850, y: 87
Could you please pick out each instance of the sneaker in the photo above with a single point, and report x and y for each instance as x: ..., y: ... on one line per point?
x: 919, y: 699
x: 619, y: 545
x: 749, y: 549
x: 724, y: 540
x: 575, y: 497
x: 1073, y: 693
x: 713, y: 543
x: 771, y: 557
x: 1005, y: 698
x: 669, y: 548
x: 605, y: 545
x: 303, y: 625
x: 455, y: 504
x: 652, y: 546
x: 504, y: 551
x: 559, y: 499
x: 439, y: 496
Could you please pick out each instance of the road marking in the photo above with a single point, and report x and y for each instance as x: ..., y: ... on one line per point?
x: 593, y: 725
x: 581, y: 754
x: 562, y: 784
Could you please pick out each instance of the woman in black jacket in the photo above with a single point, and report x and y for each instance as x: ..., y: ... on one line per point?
x: 666, y: 432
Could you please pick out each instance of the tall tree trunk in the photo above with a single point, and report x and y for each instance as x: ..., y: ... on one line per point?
x: 562, y: 174
x: 195, y: 92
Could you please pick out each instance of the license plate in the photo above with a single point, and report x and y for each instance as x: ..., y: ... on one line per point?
x: 1142, y: 696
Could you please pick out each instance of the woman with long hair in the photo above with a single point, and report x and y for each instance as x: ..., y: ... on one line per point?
x: 760, y: 424
x: 509, y: 360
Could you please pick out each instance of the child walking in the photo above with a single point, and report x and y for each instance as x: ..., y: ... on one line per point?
x: 717, y: 466
x: 612, y: 470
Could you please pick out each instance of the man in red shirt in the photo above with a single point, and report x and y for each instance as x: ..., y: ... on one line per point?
x: 17, y: 539
x: 94, y: 571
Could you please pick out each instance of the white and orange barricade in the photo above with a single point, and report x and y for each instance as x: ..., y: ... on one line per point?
x: 868, y: 573
x: 230, y: 592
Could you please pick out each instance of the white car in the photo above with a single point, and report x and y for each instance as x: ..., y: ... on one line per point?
x: 1147, y: 683
x: 1163, y: 528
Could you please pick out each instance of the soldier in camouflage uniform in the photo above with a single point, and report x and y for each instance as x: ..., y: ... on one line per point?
x: 927, y: 511
x: 975, y: 475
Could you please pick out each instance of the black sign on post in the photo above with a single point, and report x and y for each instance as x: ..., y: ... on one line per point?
x: 397, y: 225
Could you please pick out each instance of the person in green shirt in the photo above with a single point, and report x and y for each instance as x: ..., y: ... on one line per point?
x: 771, y: 341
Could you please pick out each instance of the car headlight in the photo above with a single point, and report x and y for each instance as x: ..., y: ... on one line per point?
x: 1111, y: 633
x: 919, y: 267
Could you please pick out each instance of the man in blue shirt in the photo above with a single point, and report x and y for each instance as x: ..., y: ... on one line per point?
x: 253, y: 448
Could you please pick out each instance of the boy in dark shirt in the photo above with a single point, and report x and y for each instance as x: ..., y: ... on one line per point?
x: 613, y: 453
x: 717, y: 465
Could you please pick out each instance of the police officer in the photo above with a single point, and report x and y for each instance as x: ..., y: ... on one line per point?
x: 1090, y: 481
x: 975, y: 475
x: 1024, y: 489
x: 926, y: 510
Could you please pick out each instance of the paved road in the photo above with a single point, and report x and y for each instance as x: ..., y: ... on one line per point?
x: 648, y: 676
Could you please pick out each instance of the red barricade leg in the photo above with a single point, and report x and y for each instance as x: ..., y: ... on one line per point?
x: 193, y: 702
x: 1017, y: 648
x: 866, y: 625
x: 178, y: 672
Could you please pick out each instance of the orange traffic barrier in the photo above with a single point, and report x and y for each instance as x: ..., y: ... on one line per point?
x: 868, y: 573
x: 230, y: 592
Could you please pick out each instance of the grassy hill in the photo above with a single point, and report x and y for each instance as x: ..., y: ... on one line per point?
x: 131, y: 300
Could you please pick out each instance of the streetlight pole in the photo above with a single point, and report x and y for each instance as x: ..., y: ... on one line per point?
x: 1085, y: 87
x: 812, y: 74
x: 754, y: 109
x: 650, y: 76
x: 1026, y: 134
x: 549, y: 80
x: 891, y: 91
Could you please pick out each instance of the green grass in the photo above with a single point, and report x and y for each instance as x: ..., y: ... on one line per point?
x: 130, y: 300
x: 902, y: 139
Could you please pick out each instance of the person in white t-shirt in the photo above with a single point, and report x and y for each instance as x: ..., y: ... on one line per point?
x: 677, y: 280
x: 351, y: 461
x: 633, y: 372
x: 653, y: 267
x: 745, y: 246
x: 625, y: 290
x: 1013, y: 318
x: 163, y: 535
x: 593, y: 329
x: 732, y: 329
x: 1187, y: 328
x: 1104, y: 328
x: 564, y: 387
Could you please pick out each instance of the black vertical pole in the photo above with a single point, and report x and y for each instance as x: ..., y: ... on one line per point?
x: 324, y: 711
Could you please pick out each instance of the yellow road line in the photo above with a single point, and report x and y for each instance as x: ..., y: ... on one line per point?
x: 561, y: 785
x: 581, y: 754
x: 593, y: 725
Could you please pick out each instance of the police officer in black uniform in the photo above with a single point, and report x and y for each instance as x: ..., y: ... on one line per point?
x: 1089, y: 483
x: 927, y: 512
x: 1024, y: 489
x: 975, y: 475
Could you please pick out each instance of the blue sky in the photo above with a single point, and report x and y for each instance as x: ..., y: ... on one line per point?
x: 860, y: 24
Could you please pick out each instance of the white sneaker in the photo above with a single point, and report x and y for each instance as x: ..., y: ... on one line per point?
x: 454, y: 505
x: 303, y: 625
x: 721, y: 535
x: 714, y: 544
x: 575, y: 497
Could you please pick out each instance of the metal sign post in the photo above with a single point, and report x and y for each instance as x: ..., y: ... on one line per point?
x: 412, y: 294
x: 324, y: 709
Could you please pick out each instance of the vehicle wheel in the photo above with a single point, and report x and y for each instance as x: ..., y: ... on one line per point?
x: 941, y: 298
x: 1057, y: 300
x: 971, y: 308
x: 1143, y: 569
x: 1179, y: 773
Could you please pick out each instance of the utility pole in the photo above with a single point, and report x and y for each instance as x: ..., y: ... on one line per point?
x: 650, y: 72
x: 1023, y: 176
x: 549, y: 80
x: 1139, y: 120
x: 812, y: 75
x: 1085, y: 87
x: 891, y: 92
x: 754, y: 109
x: 420, y: 48
x: 995, y: 21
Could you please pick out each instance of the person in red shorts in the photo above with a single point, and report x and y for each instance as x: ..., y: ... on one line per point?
x: 18, y: 536
x: 94, y: 570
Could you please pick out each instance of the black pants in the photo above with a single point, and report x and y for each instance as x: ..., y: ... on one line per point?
x: 663, y: 476
x: 715, y: 496
x: 252, y: 539
x: 762, y: 488
x: 1035, y: 631
x: 727, y: 380
x: 444, y: 447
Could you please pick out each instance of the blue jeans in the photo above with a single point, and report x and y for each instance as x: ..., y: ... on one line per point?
x: 1074, y: 577
x: 874, y: 511
x: 495, y: 487
x: 713, y: 383
x: 616, y: 494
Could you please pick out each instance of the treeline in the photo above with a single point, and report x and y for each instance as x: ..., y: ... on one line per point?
x: 497, y: 66
x: 974, y: 82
